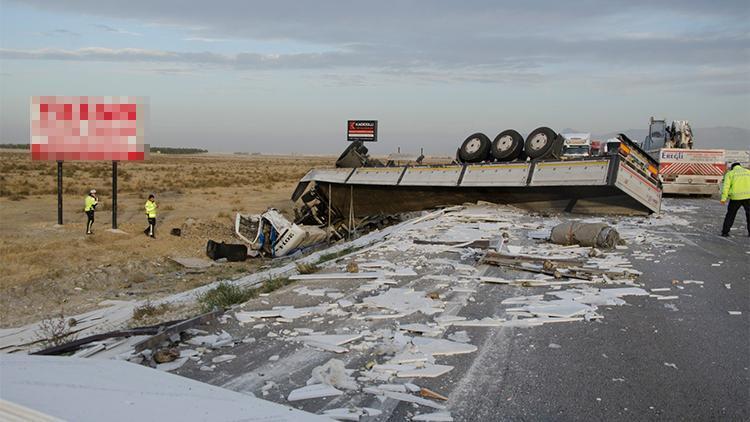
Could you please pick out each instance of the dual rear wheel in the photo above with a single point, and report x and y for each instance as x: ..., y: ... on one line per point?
x: 509, y: 145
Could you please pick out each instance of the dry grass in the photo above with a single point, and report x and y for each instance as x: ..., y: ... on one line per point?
x: 149, y: 310
x: 22, y: 177
x: 55, y: 331
x: 45, y: 266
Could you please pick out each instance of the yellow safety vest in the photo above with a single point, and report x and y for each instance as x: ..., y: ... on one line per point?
x: 150, y: 209
x: 89, y: 203
x: 736, y: 184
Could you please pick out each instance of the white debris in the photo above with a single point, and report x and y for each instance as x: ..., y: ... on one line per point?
x: 406, y: 301
x: 484, y: 322
x: 442, y: 347
x: 404, y: 397
x: 424, y: 329
x: 728, y: 285
x: 426, y: 371
x: 412, y: 387
x: 334, y: 373
x: 171, y: 366
x: 273, y: 358
x: 337, y: 276
x: 313, y: 392
x: 401, y: 388
x: 433, y: 417
x: 692, y: 282
x: 267, y: 387
x: 352, y: 413
x: 284, y: 313
x: 223, y: 358
x: 212, y: 340
x: 661, y: 289
x: 332, y: 293
x: 666, y: 297
x: 671, y: 365
x: 735, y: 312
x: 554, y: 346
x: 333, y: 339
x: 558, y: 308
x: 344, y: 303
x: 459, y: 336
x: 448, y: 319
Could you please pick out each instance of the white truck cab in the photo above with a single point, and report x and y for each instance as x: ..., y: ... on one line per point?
x: 576, y: 144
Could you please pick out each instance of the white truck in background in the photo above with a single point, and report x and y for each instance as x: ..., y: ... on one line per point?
x: 576, y: 145
x: 737, y: 156
x: 691, y: 171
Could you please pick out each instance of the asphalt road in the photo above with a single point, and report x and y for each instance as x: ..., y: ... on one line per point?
x: 682, y: 359
x: 615, y: 369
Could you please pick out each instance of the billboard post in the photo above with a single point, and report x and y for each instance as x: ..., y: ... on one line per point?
x: 114, y: 194
x: 59, y: 192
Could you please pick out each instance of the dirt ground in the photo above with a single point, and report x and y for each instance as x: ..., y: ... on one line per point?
x: 50, y: 269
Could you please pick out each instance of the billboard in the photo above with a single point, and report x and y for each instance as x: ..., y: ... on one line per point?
x: 65, y: 128
x: 362, y: 130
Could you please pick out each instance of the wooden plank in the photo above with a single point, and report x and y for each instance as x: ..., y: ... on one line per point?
x: 155, y: 340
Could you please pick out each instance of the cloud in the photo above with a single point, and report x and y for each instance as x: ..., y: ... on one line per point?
x: 61, y: 31
x: 440, y: 41
x: 205, y: 39
x: 107, y: 28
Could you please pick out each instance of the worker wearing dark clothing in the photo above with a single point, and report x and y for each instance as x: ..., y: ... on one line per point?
x: 736, y: 188
x: 150, y: 207
x: 89, y: 207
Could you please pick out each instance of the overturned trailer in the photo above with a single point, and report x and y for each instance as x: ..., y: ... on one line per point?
x: 625, y: 182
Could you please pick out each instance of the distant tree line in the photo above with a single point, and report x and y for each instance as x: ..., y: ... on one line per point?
x: 14, y: 146
x: 155, y: 150
x: 171, y: 150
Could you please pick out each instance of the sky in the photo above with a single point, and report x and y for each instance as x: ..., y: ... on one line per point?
x: 284, y: 76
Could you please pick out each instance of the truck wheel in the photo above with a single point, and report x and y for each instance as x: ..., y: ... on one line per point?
x: 507, y: 145
x: 539, y: 143
x: 475, y: 148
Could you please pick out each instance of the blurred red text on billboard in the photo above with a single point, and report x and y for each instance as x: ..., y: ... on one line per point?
x: 88, y: 128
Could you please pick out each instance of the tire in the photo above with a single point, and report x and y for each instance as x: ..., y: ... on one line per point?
x: 507, y: 146
x: 476, y: 148
x: 540, y: 142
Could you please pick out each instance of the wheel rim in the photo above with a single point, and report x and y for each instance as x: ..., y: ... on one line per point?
x: 505, y: 143
x: 538, y: 141
x: 473, y: 145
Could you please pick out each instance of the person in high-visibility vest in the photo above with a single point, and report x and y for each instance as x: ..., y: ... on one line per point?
x: 151, y: 215
x: 89, y: 207
x: 736, y: 188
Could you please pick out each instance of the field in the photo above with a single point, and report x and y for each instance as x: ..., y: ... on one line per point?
x: 50, y: 269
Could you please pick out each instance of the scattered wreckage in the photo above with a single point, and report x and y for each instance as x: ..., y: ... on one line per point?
x: 388, y: 329
x: 363, y: 193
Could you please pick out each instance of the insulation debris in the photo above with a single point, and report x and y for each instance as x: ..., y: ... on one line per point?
x: 333, y: 373
x: 433, y: 417
x: 404, y: 397
x: 222, y: 339
x: 404, y: 300
x: 313, y: 392
x: 351, y: 413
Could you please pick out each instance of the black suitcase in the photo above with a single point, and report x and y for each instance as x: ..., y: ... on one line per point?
x: 233, y: 253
